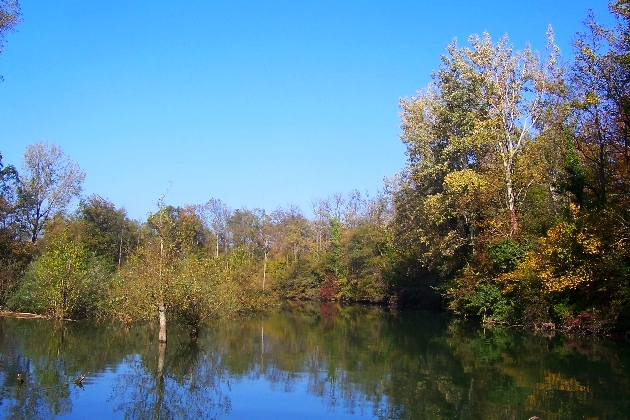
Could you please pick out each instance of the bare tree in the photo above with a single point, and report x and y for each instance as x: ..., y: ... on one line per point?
x: 215, y: 215
x: 49, y: 180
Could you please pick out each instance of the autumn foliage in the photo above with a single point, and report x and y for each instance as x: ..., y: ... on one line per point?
x: 513, y: 207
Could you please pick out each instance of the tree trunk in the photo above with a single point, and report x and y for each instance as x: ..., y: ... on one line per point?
x: 511, y: 203
x: 601, y: 173
x: 508, y: 151
x: 120, y: 251
x: 264, y: 271
x: 162, y: 317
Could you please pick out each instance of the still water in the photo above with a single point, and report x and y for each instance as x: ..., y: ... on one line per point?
x: 310, y: 362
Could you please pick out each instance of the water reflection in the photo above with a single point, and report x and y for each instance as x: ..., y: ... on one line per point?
x: 310, y: 361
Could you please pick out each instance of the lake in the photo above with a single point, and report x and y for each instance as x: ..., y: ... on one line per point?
x: 310, y: 362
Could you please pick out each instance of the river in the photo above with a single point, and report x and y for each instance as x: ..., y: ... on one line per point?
x: 310, y: 362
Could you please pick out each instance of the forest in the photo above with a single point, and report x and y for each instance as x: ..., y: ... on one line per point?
x: 513, y: 207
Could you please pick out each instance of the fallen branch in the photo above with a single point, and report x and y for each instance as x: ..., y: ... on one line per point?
x: 21, y: 315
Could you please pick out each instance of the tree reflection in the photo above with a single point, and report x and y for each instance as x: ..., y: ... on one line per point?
x: 29, y: 399
x: 181, y: 383
x: 359, y: 360
x: 411, y: 365
x: 43, y: 364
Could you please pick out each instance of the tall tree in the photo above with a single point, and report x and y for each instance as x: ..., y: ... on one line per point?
x: 245, y: 228
x: 515, y: 87
x: 466, y: 135
x: 48, y: 182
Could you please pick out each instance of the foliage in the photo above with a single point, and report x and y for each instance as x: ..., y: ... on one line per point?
x: 15, y: 254
x: 515, y: 191
x: 513, y: 205
x: 171, y: 271
x: 106, y: 230
x: 64, y: 282
x: 505, y: 254
x: 369, y: 263
x: 300, y: 280
x: 49, y: 180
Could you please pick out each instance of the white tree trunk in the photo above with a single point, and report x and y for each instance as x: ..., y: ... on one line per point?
x: 162, y: 317
x: 264, y: 271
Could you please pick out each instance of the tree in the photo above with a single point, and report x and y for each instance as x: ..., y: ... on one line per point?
x: 66, y: 281
x: 514, y: 88
x: 151, y: 273
x: 466, y: 136
x: 164, y: 274
x: 8, y: 181
x: 108, y: 231
x: 215, y: 215
x: 438, y: 127
x: 9, y: 18
x: 176, y: 235
x: 245, y: 228
x: 320, y: 225
x: 291, y: 232
x: 286, y: 235
x: 600, y: 99
x: 578, y: 269
x: 48, y: 182
x: 14, y: 253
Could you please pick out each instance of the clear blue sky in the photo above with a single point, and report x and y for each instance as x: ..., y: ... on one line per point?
x: 258, y: 103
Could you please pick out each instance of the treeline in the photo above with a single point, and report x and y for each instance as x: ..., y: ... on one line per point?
x: 193, y: 262
x: 513, y: 206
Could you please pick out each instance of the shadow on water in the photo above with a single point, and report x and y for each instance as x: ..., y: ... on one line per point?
x: 319, y: 361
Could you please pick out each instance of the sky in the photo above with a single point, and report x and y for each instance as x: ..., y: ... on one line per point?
x: 261, y: 104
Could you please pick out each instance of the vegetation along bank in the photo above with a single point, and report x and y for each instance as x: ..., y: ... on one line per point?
x: 513, y: 207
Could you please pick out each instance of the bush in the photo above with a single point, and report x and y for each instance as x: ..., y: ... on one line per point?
x: 505, y: 255
x: 64, y: 282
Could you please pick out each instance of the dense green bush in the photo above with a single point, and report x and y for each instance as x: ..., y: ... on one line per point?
x: 64, y: 282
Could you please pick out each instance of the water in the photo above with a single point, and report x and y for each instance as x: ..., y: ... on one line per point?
x: 310, y: 362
